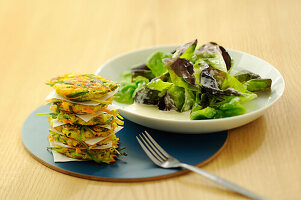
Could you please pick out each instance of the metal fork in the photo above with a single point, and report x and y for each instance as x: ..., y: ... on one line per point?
x: 161, y: 158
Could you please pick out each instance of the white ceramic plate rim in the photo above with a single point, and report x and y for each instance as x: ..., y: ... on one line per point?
x: 207, y: 121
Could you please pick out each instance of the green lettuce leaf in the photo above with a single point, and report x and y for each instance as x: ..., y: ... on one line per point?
x: 140, y: 82
x: 189, y: 100
x: 178, y: 96
x: 128, y: 89
x: 231, y: 106
x: 257, y: 85
x: 232, y: 82
x: 125, y: 77
x: 198, y: 67
x: 125, y: 94
x: 206, y: 113
x: 159, y: 85
x: 155, y: 64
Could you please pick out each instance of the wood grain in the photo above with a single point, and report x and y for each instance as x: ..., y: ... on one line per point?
x: 41, y: 39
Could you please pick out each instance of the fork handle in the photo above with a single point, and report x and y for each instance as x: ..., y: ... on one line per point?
x: 223, y: 182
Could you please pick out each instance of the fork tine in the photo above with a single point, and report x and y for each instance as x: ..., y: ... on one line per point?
x: 154, y: 147
x: 148, y: 153
x: 147, y: 144
x: 157, y: 145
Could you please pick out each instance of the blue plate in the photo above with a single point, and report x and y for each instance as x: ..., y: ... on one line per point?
x: 193, y: 149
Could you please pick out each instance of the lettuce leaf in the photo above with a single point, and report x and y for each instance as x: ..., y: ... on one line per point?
x: 140, y: 82
x: 191, y: 79
x: 188, y: 54
x: 128, y: 89
x: 142, y: 70
x: 244, y: 76
x: 198, y: 67
x: 206, y: 113
x: 189, y: 100
x: 159, y: 85
x: 212, y: 79
x: 183, y: 68
x: 230, y: 107
x: 181, y: 72
x: 177, y: 94
x: 147, y: 96
x: 173, y: 100
x: 258, y: 85
x: 125, y: 77
x: 216, y: 56
x: 186, y: 51
x: 125, y: 94
x: 155, y: 64
x: 231, y: 82
x: 253, y: 82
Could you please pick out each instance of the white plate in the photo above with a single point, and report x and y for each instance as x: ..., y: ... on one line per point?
x: 161, y: 120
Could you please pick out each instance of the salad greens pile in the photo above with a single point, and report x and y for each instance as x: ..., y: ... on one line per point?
x: 191, y: 78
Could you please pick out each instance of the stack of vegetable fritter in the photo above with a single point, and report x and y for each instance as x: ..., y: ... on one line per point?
x: 83, y: 122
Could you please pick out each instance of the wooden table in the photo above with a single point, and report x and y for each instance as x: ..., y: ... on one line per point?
x: 41, y: 39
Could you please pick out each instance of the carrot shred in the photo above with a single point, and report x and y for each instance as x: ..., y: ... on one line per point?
x: 77, y: 150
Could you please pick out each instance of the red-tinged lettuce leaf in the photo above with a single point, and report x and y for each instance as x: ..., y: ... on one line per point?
x: 182, y: 68
x: 244, y: 76
x: 168, y: 61
x: 212, y: 79
x: 186, y: 49
x: 227, y: 57
x: 173, y: 100
x: 216, y: 55
x: 147, y: 96
x: 164, y: 77
x: 207, y: 50
x: 142, y: 70
x: 167, y: 103
x: 174, y: 78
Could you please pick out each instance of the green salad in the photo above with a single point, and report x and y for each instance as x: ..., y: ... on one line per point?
x: 191, y: 78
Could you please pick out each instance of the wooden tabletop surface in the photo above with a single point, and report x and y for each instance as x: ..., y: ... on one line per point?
x: 42, y: 39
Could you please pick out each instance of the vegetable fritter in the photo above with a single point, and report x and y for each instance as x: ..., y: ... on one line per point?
x: 82, y: 132
x: 102, y: 119
x: 82, y: 87
x: 79, y: 143
x: 80, y: 109
x: 98, y: 155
